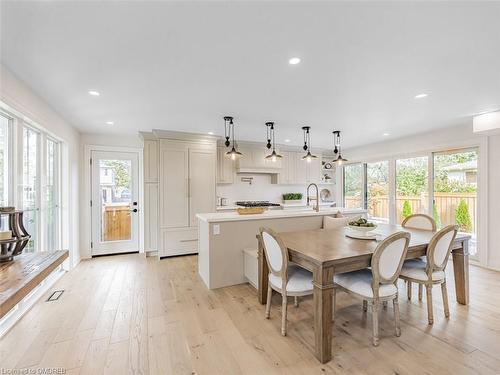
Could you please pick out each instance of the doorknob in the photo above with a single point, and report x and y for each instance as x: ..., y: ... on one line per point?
x: 134, y: 210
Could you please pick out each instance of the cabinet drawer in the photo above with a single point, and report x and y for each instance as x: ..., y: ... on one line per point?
x: 179, y: 241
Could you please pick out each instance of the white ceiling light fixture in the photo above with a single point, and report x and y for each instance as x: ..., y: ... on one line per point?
x: 94, y: 93
x: 294, y: 61
x: 110, y: 123
x: 486, y: 123
x: 420, y: 96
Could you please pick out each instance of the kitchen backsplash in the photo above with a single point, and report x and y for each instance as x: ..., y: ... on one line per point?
x: 260, y: 189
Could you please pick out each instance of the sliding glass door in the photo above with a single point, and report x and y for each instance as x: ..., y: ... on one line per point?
x: 353, y: 186
x: 412, y: 187
x: 455, y: 191
x: 377, y: 190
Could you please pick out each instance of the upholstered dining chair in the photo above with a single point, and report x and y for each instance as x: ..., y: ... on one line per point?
x: 432, y: 270
x: 378, y: 285
x: 418, y: 221
x: 285, y: 278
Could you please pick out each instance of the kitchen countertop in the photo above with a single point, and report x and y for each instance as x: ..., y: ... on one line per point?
x: 276, y: 214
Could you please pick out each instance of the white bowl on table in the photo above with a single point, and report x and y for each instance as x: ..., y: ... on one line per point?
x: 361, y: 232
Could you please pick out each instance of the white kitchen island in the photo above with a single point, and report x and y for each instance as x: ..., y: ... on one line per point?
x: 224, y: 236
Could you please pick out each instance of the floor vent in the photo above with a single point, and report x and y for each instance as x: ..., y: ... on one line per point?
x: 55, y: 295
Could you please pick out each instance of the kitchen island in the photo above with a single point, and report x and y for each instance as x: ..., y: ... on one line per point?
x: 223, y: 237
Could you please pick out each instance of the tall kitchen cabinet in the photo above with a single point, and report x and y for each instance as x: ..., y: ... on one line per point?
x: 187, y: 187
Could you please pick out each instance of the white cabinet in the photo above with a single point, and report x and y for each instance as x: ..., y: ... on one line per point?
x: 225, y: 167
x: 151, y: 201
x: 187, y: 187
x: 174, y: 193
x: 254, y: 160
x: 295, y: 170
x: 288, y: 169
x: 314, y: 170
x: 151, y: 161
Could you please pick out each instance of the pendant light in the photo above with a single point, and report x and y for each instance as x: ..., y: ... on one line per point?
x: 307, y: 145
x: 339, y: 160
x: 229, y: 134
x: 271, y: 142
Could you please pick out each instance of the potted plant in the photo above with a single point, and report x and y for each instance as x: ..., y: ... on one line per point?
x: 292, y: 198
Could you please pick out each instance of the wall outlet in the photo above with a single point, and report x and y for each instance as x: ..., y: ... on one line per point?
x: 216, y: 229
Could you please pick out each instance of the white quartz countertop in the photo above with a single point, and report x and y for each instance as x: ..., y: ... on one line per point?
x: 276, y: 214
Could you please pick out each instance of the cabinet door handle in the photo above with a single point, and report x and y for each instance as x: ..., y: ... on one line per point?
x: 195, y: 239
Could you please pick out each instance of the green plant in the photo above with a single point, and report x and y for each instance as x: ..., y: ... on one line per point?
x: 292, y: 196
x: 406, y: 209
x: 435, y: 214
x: 463, y: 217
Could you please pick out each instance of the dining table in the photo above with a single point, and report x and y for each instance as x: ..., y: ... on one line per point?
x: 326, y: 252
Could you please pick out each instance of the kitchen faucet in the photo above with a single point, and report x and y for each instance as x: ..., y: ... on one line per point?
x: 317, y: 197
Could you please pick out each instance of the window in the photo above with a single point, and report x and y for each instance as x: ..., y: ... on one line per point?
x: 51, y: 211
x: 377, y: 188
x: 412, y: 190
x: 455, y: 191
x: 4, y: 160
x: 30, y: 187
x: 353, y: 186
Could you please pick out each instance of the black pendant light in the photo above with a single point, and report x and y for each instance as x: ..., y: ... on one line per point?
x: 271, y: 142
x: 307, y: 145
x: 339, y: 160
x: 229, y: 134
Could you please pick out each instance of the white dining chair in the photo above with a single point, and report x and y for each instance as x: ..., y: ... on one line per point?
x: 378, y: 284
x: 432, y: 270
x: 418, y: 221
x: 285, y: 278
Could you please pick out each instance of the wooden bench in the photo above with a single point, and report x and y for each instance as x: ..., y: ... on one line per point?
x: 19, y: 277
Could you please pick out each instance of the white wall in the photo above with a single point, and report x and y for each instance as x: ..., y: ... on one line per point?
x: 457, y: 136
x: 18, y: 96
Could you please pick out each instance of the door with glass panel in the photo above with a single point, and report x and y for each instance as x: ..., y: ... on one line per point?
x: 455, y: 191
x: 115, y: 218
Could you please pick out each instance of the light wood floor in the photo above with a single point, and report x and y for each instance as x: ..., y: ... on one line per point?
x: 127, y: 314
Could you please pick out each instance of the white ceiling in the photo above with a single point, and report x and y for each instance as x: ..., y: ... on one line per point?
x: 182, y: 66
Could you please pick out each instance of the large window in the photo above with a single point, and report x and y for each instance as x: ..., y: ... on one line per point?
x: 353, y: 186
x: 51, y: 209
x: 4, y: 160
x: 412, y: 187
x: 377, y: 190
x: 30, y: 187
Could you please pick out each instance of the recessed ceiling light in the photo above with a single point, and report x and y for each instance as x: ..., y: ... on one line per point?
x: 294, y: 61
x: 420, y: 96
x: 110, y: 122
x: 386, y: 134
x: 211, y: 133
x: 287, y: 140
x: 94, y: 93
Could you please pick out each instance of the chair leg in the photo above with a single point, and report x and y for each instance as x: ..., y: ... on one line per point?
x: 284, y: 304
x: 296, y: 301
x: 409, y: 290
x: 444, y: 291
x: 375, y: 322
x: 334, y: 304
x: 268, y: 304
x: 420, y: 291
x: 395, y: 303
x: 430, y: 314
x: 365, y: 305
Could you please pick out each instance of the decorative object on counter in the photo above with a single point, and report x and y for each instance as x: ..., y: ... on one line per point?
x: 327, y: 165
x: 248, y: 180
x: 324, y: 194
x: 257, y: 204
x: 251, y: 210
x: 271, y: 142
x: 292, y: 198
x: 7, y: 209
x: 307, y: 145
x: 336, y: 150
x: 19, y: 238
x: 229, y: 134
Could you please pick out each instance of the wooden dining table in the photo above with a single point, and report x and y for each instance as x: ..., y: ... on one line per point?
x: 326, y: 252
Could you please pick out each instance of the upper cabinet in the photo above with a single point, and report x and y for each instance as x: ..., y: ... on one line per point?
x: 297, y: 171
x: 151, y: 161
x: 225, y: 167
x: 254, y: 161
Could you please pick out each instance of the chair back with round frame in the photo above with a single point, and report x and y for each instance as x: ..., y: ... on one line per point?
x: 419, y: 221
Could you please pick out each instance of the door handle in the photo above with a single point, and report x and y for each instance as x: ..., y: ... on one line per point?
x: 134, y: 210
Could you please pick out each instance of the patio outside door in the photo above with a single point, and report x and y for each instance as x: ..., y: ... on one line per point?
x: 115, y: 218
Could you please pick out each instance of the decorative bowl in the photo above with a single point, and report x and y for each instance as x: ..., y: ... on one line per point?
x: 362, y: 229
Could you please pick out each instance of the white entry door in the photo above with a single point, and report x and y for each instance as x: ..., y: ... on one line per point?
x: 115, y: 204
